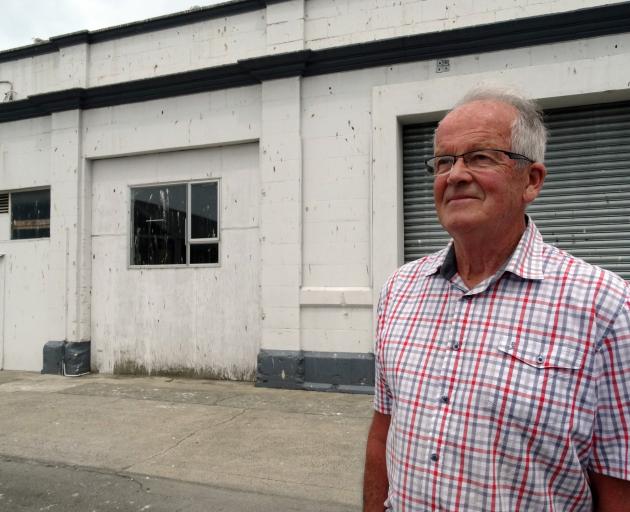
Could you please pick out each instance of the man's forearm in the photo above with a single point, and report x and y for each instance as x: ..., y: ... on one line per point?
x: 610, y: 494
x: 375, y: 483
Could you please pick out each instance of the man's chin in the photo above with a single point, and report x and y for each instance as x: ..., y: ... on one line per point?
x: 458, y: 220
x: 457, y: 225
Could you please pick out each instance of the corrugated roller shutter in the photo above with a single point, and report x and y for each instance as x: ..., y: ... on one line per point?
x: 585, y: 204
x: 423, y: 232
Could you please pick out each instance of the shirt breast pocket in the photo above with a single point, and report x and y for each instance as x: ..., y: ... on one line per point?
x: 535, y: 383
x: 544, y: 354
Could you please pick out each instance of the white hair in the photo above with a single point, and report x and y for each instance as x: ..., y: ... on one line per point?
x: 529, y: 135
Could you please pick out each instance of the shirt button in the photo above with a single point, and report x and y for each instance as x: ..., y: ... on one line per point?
x: 444, y: 399
x: 455, y: 346
x: 540, y: 359
x: 434, y: 457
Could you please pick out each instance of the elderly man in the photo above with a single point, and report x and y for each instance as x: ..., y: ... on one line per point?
x: 502, y: 363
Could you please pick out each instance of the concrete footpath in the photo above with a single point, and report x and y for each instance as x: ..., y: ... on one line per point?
x: 156, y: 443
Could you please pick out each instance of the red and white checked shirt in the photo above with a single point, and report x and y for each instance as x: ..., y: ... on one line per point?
x: 503, y: 396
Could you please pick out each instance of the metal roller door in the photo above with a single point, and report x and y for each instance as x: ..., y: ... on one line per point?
x: 585, y: 204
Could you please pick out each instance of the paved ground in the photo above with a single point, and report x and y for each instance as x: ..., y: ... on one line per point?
x: 99, y: 443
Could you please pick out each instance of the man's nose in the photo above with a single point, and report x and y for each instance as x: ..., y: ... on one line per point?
x: 459, y: 171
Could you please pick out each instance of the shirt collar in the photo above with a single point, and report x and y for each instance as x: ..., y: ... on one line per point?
x: 525, y: 261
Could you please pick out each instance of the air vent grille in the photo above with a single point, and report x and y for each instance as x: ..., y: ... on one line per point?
x: 4, y: 202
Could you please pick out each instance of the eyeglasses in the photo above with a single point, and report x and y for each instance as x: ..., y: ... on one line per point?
x: 477, y: 160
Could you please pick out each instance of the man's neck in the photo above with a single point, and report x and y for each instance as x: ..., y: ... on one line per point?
x: 480, y: 256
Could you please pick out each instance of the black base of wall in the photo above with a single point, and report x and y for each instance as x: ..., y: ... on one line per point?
x: 53, y: 357
x: 67, y: 358
x: 342, y: 372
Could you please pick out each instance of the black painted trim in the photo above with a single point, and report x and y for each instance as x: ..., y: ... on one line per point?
x: 209, y: 79
x: 598, y: 21
x: 342, y: 372
x: 177, y: 19
x: 277, y: 66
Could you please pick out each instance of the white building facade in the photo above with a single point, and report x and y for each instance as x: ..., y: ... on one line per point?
x: 221, y: 192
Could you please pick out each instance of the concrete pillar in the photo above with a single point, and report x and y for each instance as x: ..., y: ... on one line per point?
x: 69, y: 231
x: 280, y: 222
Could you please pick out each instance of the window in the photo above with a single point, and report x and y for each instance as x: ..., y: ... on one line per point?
x: 175, y: 224
x: 30, y: 214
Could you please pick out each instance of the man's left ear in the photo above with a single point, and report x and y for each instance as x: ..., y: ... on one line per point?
x: 536, y: 175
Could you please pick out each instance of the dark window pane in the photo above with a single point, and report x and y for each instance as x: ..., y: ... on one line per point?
x: 159, y: 225
x: 204, y: 253
x: 30, y: 214
x: 204, y: 211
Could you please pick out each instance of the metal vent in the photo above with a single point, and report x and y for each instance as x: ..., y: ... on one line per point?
x: 4, y: 202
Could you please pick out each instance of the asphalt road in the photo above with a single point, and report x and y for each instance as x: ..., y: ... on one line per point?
x: 32, y: 485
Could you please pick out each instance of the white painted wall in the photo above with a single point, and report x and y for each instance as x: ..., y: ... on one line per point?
x: 281, y: 212
x: 199, y: 45
x: 5, y: 226
x: 197, y: 120
x: 25, y: 153
x: 205, y: 319
x: 25, y: 163
x: 286, y: 26
x: 64, y: 69
x: 27, y: 304
x: 2, y: 295
x: 341, y: 22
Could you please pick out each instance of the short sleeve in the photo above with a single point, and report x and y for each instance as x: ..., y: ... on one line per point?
x: 611, y: 436
x: 382, y: 392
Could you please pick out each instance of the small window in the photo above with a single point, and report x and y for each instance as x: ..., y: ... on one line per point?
x: 30, y: 214
x: 175, y: 224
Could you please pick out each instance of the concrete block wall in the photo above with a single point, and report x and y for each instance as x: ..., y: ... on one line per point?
x: 337, y: 138
x: 213, y: 42
x: 213, y: 118
x: 34, y: 75
x: 285, y: 26
x: 281, y: 27
x: 281, y: 213
x: 65, y: 69
x: 25, y: 145
x: 341, y: 22
x: 209, y: 43
x: 28, y: 315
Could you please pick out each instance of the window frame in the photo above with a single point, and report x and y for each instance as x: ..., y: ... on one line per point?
x: 189, y: 240
x: 10, y: 213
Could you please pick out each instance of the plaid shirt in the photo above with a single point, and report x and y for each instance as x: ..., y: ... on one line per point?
x: 503, y: 396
